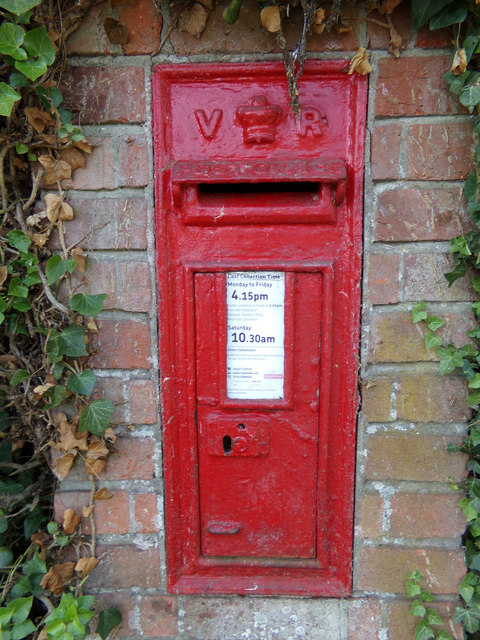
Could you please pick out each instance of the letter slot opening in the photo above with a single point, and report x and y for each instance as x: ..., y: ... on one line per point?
x: 258, y: 194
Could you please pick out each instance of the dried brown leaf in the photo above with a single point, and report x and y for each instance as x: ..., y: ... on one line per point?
x: 70, y: 438
x: 66, y: 212
x: 208, y: 4
x: 41, y: 389
x: 36, y: 218
x: 318, y: 21
x: 91, y: 325
x: 52, y: 581
x: 87, y: 511
x: 395, y: 41
x: 360, y: 63
x: 85, y: 565
x: 49, y: 138
x: 84, y: 146
x: 80, y: 256
x: 110, y: 435
x: 459, y: 64
x: 62, y: 465
x: 97, y: 450
x: 56, y: 170
x: 116, y: 32
x: 70, y: 521
x: 103, y: 494
x: 94, y: 467
x: 3, y: 274
x: 38, y: 119
x: 52, y: 206
x: 193, y: 20
x: 66, y: 570
x: 73, y: 157
x: 270, y: 17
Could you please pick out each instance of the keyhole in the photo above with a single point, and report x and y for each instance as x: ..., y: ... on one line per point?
x: 241, y: 426
x: 227, y: 444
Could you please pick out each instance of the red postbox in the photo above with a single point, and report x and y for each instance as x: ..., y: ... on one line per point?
x: 259, y: 260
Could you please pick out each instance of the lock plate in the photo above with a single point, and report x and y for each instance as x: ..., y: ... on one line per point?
x: 244, y: 435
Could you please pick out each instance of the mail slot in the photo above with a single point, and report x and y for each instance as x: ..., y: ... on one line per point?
x: 258, y: 218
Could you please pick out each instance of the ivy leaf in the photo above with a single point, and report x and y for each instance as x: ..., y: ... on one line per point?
x: 453, y: 13
x: 55, y: 396
x: 418, y: 312
x: 434, y: 323
x: 470, y: 95
x: 18, y: 240
x: 33, y: 68
x: 22, y: 630
x: 423, y: 631
x: 473, y: 399
x: 83, y: 382
x: 57, y: 267
x: 431, y: 340
x: 8, y: 97
x: 231, y: 13
x: 450, y: 359
x: 11, y: 38
x: 443, y: 635
x: 470, y: 186
x: 87, y: 305
x: 466, y: 589
x: 19, y: 376
x: 38, y: 45
x: 469, y: 620
x: 417, y: 609
x: 423, y: 10
x: 413, y: 589
x: 460, y: 245
x: 96, y: 417
x: 108, y: 620
x: 72, y: 342
x: 16, y: 288
x: 6, y: 557
x: 19, y: 6
x: 434, y: 618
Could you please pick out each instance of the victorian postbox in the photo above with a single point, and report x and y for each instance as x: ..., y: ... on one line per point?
x: 258, y: 235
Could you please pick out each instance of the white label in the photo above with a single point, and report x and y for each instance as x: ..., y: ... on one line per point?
x: 256, y: 331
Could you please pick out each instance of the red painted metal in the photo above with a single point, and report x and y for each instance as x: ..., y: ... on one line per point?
x: 259, y: 492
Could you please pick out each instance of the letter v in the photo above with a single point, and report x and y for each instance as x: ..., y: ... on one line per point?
x: 208, y: 126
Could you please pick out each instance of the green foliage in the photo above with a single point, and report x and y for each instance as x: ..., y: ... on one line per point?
x: 429, y: 618
x: 96, y: 416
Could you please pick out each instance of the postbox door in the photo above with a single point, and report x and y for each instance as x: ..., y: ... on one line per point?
x: 258, y: 456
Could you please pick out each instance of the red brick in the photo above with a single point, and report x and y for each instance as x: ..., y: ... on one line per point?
x: 126, y: 566
x: 144, y: 23
x: 113, y: 515
x: 140, y: 17
x: 424, y: 279
x: 131, y: 459
x: 414, y: 86
x: 247, y: 34
x: 125, y: 602
x: 146, y: 513
x: 386, y: 569
x: 369, y: 516
x: 364, y: 616
x: 121, y: 344
x: 98, y: 172
x: 436, y: 39
x: 112, y: 389
x: 136, y: 286
x: 426, y: 516
x: 379, y: 37
x: 383, y: 279
x: 385, y: 156
x: 107, y: 223
x: 376, y: 399
x: 439, y: 151
x: 393, y: 337
x: 143, y: 404
x: 412, y: 215
x: 159, y: 616
x: 432, y: 398
x: 106, y: 94
x: 133, y: 161
x: 99, y: 277
x: 401, y: 624
x: 410, y: 457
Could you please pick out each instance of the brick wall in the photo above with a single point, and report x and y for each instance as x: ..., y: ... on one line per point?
x: 418, y: 152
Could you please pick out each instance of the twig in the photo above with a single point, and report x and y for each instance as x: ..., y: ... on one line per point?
x: 48, y: 292
x: 36, y: 179
x: 165, y: 38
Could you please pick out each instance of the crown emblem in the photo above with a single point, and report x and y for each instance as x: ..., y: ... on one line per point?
x: 259, y: 120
